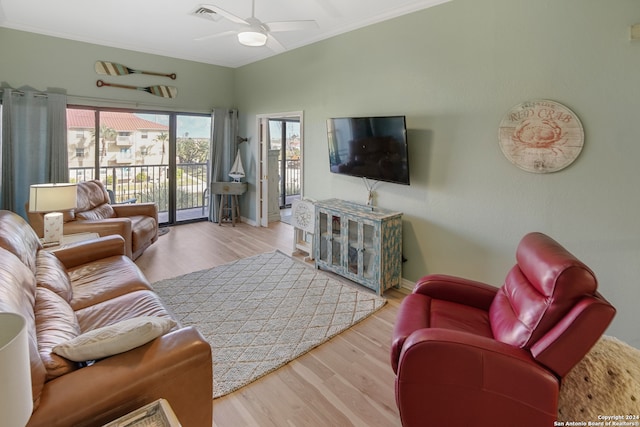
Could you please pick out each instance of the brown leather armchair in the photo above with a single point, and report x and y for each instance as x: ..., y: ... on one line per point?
x: 137, y: 223
x: 468, y: 354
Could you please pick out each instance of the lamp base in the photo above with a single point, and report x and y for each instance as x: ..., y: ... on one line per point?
x: 53, y: 227
x: 16, y: 397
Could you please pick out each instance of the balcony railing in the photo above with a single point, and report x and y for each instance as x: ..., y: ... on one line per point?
x: 292, y: 180
x: 150, y: 183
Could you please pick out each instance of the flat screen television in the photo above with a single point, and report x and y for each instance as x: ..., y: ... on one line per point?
x: 369, y: 147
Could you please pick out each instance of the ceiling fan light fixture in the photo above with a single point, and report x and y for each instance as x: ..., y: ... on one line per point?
x: 252, y: 38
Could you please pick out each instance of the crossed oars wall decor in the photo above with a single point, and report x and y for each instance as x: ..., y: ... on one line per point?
x: 115, y: 69
x: 157, y: 90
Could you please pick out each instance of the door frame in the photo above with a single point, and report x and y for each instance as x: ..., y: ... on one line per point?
x: 261, y: 154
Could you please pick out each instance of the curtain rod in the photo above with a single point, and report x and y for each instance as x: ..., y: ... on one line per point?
x: 22, y: 93
x: 80, y: 99
x: 75, y: 99
x: 86, y: 101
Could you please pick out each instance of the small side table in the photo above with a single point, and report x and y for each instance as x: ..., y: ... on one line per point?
x: 155, y: 414
x: 70, y: 240
x: 228, y: 190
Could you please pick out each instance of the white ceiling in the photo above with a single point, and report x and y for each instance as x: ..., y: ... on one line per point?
x: 168, y: 27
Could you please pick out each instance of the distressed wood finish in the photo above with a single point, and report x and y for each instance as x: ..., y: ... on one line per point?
x: 361, y: 243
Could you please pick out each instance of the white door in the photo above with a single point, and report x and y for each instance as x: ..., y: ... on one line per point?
x: 263, y: 196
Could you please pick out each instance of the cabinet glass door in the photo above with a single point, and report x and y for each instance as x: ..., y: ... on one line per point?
x: 369, y: 252
x: 323, y: 238
x: 362, y: 254
x: 330, y: 239
x: 354, y: 246
x: 336, y: 241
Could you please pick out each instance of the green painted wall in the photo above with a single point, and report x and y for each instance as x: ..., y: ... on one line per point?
x: 454, y: 70
x: 47, y: 63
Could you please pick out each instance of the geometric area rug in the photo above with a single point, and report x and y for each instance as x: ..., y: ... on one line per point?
x: 261, y: 312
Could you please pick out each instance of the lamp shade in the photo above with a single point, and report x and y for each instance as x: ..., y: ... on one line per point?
x: 16, y: 398
x: 52, y: 197
x: 252, y: 38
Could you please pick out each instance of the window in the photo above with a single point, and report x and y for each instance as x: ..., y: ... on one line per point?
x: 140, y: 154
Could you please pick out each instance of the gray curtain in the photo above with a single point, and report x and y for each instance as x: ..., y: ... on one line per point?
x: 34, y: 144
x: 224, y: 145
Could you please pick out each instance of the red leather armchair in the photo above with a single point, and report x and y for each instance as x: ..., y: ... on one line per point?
x: 469, y: 354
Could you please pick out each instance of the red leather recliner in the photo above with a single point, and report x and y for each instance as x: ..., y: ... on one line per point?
x: 469, y: 354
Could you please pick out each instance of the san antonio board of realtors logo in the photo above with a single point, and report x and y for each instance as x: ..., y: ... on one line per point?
x: 541, y: 136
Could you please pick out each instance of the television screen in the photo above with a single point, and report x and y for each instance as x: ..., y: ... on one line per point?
x: 369, y: 147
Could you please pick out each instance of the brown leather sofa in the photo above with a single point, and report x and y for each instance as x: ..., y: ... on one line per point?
x: 466, y: 353
x: 137, y: 223
x: 81, y: 288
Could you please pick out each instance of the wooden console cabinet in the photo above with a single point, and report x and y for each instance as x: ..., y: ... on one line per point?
x: 361, y: 243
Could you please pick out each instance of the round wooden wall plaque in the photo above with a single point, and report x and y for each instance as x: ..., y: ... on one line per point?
x: 541, y: 136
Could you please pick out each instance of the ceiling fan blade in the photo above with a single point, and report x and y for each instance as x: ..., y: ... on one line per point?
x: 291, y: 25
x: 230, y: 16
x: 215, y: 36
x: 274, y: 44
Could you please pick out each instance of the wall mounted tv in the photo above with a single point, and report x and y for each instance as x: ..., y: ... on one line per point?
x: 369, y: 147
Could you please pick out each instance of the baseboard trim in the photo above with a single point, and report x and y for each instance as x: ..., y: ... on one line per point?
x: 248, y: 221
x: 407, y: 285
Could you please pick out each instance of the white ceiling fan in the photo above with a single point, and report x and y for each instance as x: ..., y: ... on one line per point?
x: 253, y: 31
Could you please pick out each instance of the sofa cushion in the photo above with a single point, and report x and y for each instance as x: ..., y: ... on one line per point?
x: 56, y: 323
x: 101, y: 212
x: 17, y: 236
x: 128, y: 306
x: 459, y: 317
x: 51, y: 274
x: 105, y: 279
x: 538, y: 291
x: 91, y: 194
x: 114, y: 339
x: 143, y: 231
x: 17, y: 295
x: 92, y: 201
x: 421, y: 311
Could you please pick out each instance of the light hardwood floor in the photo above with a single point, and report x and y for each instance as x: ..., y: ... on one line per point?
x: 347, y: 381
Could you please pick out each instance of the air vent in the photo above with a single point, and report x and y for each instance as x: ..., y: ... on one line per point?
x: 206, y: 13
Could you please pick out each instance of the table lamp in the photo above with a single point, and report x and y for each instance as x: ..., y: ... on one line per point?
x: 16, y: 398
x: 51, y: 198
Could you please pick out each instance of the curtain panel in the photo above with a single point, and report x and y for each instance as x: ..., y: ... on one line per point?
x: 224, y: 146
x: 34, y: 144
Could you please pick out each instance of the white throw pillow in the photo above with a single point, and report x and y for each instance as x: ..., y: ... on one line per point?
x: 113, y: 339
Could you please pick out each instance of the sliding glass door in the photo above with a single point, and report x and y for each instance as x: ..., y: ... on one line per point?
x: 193, y: 139
x: 143, y: 157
